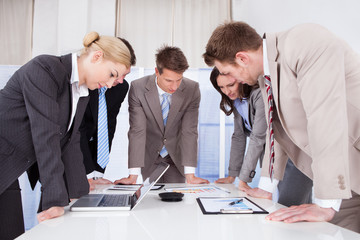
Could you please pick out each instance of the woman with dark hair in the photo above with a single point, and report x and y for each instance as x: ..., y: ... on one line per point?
x: 249, y: 121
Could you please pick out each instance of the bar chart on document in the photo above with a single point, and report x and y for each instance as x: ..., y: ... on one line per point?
x: 208, y: 190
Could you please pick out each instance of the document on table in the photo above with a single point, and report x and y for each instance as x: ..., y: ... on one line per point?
x: 200, y: 190
x: 133, y: 187
x: 228, y: 205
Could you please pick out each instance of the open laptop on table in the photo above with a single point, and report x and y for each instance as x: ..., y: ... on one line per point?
x: 113, y: 202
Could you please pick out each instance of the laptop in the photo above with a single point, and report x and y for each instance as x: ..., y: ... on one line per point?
x: 114, y: 202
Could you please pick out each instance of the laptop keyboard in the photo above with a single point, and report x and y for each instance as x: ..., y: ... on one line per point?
x: 113, y: 200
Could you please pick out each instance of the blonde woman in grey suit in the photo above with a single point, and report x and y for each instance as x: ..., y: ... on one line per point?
x: 41, y: 108
x: 249, y: 121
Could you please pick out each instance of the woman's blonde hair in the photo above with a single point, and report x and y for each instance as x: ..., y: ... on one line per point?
x: 113, y: 48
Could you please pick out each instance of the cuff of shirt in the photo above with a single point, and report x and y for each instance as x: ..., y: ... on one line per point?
x: 95, y: 174
x: 134, y: 171
x: 189, y: 170
x: 328, y: 203
x: 266, y: 184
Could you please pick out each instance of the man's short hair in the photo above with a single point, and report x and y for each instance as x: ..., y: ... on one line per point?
x: 171, y: 58
x: 229, y: 39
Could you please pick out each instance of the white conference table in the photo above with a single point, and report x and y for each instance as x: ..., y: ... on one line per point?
x: 155, y: 219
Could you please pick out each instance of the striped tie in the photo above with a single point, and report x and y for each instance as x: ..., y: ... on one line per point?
x: 165, y: 107
x: 103, y: 137
x: 271, y: 132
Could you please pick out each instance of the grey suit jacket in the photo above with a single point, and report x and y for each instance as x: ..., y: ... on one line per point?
x: 315, y: 78
x: 147, y: 133
x: 240, y: 164
x: 35, y: 110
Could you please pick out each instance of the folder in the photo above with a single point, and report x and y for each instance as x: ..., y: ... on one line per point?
x: 229, y: 205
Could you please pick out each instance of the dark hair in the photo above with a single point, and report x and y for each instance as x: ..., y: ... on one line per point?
x: 226, y: 104
x: 229, y: 39
x: 171, y: 58
x: 131, y: 50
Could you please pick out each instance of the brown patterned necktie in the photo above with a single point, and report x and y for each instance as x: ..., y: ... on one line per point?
x: 270, y: 118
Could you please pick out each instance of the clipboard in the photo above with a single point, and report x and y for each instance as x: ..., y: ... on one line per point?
x: 229, y: 205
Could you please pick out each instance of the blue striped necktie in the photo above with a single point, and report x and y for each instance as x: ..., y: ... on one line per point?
x: 103, y: 136
x: 165, y: 107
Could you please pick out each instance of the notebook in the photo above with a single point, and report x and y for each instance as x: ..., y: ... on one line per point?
x: 114, y: 202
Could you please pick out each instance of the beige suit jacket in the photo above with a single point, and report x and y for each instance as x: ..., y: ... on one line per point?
x: 316, y: 85
x: 147, y: 133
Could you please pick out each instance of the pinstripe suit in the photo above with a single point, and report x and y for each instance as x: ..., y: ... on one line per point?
x: 35, y: 110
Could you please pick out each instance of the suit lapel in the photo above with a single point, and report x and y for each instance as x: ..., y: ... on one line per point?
x: 177, y: 99
x: 273, y: 66
x: 152, y: 98
x: 272, y: 52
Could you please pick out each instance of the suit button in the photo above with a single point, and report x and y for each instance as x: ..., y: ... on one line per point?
x: 158, y: 152
x: 60, y: 133
x: 164, y: 140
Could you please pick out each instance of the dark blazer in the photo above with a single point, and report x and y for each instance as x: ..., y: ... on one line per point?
x: 35, y: 110
x: 147, y: 133
x: 114, y: 97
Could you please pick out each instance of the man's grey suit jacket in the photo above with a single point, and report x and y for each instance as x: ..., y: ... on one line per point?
x: 35, y: 110
x: 147, y: 133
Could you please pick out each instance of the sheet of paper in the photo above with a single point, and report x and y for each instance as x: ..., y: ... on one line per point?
x: 199, y: 190
x: 132, y: 187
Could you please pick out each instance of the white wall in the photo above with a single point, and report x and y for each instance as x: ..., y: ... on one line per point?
x: 340, y: 16
x: 60, y: 25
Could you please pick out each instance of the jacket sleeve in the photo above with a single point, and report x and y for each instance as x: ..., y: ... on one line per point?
x: 257, y: 136
x: 189, y: 130
x: 238, y: 145
x: 40, y: 91
x: 320, y: 76
x: 137, y: 131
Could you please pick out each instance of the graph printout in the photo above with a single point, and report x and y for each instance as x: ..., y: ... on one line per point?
x: 199, y: 190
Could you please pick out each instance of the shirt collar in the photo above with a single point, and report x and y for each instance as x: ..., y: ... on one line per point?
x: 83, y: 90
x: 160, y: 91
x: 265, y: 59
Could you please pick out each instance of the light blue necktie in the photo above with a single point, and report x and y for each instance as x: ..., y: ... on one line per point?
x: 165, y: 107
x: 103, y: 137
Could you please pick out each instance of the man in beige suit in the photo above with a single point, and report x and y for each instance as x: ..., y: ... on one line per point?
x: 164, y: 110
x: 315, y: 79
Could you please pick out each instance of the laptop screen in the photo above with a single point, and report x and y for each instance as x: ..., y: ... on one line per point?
x: 148, y: 183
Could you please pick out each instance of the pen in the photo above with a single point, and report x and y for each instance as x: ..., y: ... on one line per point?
x: 235, y: 202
